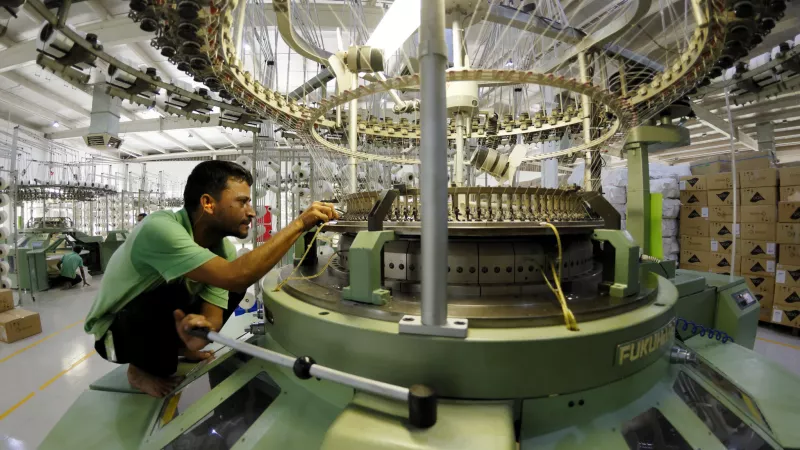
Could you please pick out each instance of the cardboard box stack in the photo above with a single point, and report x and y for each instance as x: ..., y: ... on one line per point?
x: 786, y: 306
x: 16, y: 323
x: 758, y: 249
x: 695, y: 245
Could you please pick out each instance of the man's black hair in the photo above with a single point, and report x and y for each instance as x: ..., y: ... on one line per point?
x: 77, y: 249
x: 142, y: 215
x: 211, y: 177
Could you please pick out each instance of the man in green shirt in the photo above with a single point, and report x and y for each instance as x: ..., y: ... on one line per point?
x: 68, y: 265
x: 177, y: 271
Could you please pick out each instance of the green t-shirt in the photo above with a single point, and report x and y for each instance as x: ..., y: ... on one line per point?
x: 70, y: 263
x: 161, y: 249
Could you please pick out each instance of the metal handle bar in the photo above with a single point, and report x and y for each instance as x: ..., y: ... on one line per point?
x: 422, y: 402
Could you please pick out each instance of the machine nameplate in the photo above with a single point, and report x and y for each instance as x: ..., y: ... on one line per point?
x: 639, y: 348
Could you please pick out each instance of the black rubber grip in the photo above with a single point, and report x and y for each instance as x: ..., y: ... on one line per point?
x: 302, y: 367
x: 422, y: 405
x: 201, y: 332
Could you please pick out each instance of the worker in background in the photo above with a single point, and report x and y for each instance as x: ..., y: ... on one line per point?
x: 68, y: 266
x: 177, y: 271
x: 140, y: 217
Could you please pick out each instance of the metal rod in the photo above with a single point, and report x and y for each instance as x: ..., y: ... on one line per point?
x: 586, y: 106
x: 458, y: 62
x: 325, y: 373
x: 352, y: 136
x: 433, y: 167
x: 458, y: 177
x: 239, y: 30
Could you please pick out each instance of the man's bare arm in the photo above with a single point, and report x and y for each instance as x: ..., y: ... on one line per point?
x: 239, y: 274
x: 83, y: 273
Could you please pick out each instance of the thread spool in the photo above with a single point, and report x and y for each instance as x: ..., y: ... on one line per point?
x: 301, y: 192
x: 259, y: 191
x: 5, y: 249
x: 3, y: 216
x: 5, y: 200
x: 301, y: 175
x: 4, y: 233
x: 5, y: 283
x: 248, y: 301
x: 268, y: 174
x: 324, y: 189
x: 260, y: 230
x: 242, y: 251
x: 272, y: 187
x: 274, y: 210
x: 4, y: 268
x: 297, y: 167
x: 410, y: 178
x: 245, y: 162
x: 3, y: 182
x: 261, y: 210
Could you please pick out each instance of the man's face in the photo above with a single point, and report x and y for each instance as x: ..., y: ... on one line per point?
x: 233, y: 211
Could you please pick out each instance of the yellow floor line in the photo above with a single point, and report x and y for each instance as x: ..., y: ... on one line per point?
x: 796, y: 347
x: 21, y: 402
x: 60, y: 374
x: 24, y: 349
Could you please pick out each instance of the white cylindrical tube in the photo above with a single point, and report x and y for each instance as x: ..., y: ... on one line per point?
x: 261, y: 210
x: 5, y: 283
x: 3, y: 216
x: 4, y: 233
x: 4, y: 200
x: 3, y: 182
x: 242, y: 251
x: 4, y: 250
x: 4, y: 268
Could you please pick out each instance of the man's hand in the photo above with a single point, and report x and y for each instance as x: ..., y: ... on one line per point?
x: 316, y: 213
x: 184, y: 323
x: 85, y: 283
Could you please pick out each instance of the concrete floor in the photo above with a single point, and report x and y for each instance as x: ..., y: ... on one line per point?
x: 41, y: 376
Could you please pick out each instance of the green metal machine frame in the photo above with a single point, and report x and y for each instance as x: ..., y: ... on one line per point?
x: 366, y: 268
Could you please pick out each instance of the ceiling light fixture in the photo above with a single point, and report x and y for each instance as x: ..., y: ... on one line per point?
x: 56, y: 124
x: 398, y: 24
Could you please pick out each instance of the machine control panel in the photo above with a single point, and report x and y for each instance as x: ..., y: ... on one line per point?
x: 744, y: 298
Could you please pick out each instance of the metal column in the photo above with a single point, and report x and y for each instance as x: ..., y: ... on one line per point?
x: 586, y: 107
x: 433, y: 167
x: 352, y: 136
x: 458, y: 62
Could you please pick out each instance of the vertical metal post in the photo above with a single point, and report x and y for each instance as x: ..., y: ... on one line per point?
x: 586, y: 111
x: 458, y: 164
x: 13, y: 213
x: 623, y: 83
x: 241, y: 13
x: 124, y: 208
x: 638, y: 208
x: 142, y: 188
x: 433, y: 167
x: 458, y: 62
x: 352, y: 136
